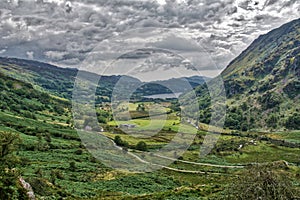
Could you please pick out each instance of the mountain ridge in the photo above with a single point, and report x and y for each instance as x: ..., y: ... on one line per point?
x: 263, y: 81
x: 60, y: 81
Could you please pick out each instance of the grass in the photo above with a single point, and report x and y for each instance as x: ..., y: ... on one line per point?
x: 147, y: 124
x: 264, y: 152
x: 291, y: 136
x: 91, y: 178
x: 134, y: 140
x: 53, y: 159
x: 249, y: 153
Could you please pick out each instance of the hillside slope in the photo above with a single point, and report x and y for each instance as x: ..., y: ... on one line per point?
x: 21, y: 99
x: 262, y: 84
x: 53, y: 79
x: 60, y: 81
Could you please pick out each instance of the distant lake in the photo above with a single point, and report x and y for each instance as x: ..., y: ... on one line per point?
x: 164, y: 96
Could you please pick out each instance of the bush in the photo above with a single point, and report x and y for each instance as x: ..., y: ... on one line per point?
x: 261, y: 182
x: 118, y: 140
x: 40, y: 186
x: 142, y: 146
x: 293, y: 122
x: 9, y: 187
x: 72, y: 166
x: 79, y: 152
x: 272, y: 121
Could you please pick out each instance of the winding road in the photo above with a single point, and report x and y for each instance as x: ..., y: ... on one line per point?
x: 173, y: 159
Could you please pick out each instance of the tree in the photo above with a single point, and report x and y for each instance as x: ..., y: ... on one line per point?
x: 265, y: 181
x: 244, y: 127
x: 272, y: 121
x: 140, y: 107
x: 39, y: 172
x: 9, y: 187
x: 53, y: 177
x: 72, y: 166
x: 142, y: 146
x: 293, y: 122
x: 8, y: 144
x: 118, y: 140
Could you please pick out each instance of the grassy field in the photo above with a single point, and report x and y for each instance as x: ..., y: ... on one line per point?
x: 56, y: 164
x: 290, y: 136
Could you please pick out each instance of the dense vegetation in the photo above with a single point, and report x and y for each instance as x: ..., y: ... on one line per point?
x: 60, y: 81
x: 47, y: 153
x: 262, y: 84
x: 40, y: 147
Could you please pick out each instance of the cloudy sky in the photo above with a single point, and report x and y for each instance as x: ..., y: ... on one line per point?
x: 149, y: 36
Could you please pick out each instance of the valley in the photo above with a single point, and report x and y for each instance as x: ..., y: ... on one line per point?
x: 42, y: 139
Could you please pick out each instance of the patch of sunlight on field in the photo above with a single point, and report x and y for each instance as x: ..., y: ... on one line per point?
x: 133, y: 140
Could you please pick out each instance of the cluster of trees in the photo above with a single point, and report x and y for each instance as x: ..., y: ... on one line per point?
x: 266, y: 182
x: 118, y: 140
x: 293, y: 121
x: 270, y: 100
x: 141, y: 146
x: 103, y: 116
x: 175, y: 106
x: 238, y: 119
x: 140, y: 107
x: 243, y: 119
x: 265, y: 138
x: 233, y: 145
x: 60, y: 86
x: 10, y: 187
x: 21, y: 98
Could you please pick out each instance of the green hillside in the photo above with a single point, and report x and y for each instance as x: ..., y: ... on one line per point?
x: 39, y: 144
x: 49, y: 154
x: 262, y: 84
x: 60, y: 81
x: 56, y: 80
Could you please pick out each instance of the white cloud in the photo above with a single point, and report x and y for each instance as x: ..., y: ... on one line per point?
x: 30, y: 55
x: 65, y: 32
x: 55, y: 55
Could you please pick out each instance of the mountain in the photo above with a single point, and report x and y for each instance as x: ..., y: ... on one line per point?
x: 262, y: 84
x: 42, y: 154
x: 181, y: 83
x: 174, y: 85
x: 60, y: 81
x: 21, y: 99
x: 56, y: 80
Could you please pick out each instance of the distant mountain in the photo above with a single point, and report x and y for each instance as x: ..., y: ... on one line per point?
x: 53, y: 79
x: 60, y: 81
x: 23, y: 100
x: 262, y: 84
x: 179, y: 84
x: 174, y: 85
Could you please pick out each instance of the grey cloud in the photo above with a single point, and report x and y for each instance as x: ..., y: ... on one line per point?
x: 265, y: 17
x: 270, y: 2
x: 231, y: 10
x: 72, y: 29
x: 55, y: 55
x: 34, y: 21
x: 177, y: 44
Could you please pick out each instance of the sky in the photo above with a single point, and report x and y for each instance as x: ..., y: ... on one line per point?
x: 147, y: 39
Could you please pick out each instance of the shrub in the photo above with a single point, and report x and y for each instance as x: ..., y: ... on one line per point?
x: 72, y: 166
x: 79, y: 152
x: 261, y: 182
x: 9, y: 188
x: 118, y: 140
x: 293, y: 122
x: 142, y: 146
